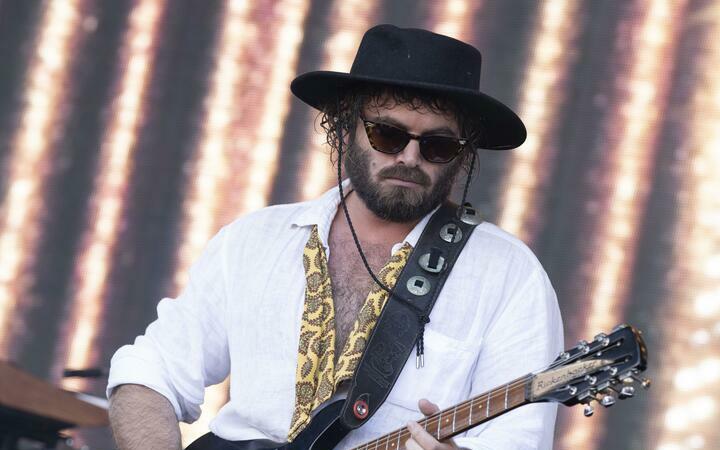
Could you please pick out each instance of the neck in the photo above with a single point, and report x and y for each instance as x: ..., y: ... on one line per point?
x: 370, y: 227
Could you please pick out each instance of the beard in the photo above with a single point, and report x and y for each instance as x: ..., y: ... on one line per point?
x: 398, y: 203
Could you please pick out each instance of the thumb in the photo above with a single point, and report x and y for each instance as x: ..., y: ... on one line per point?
x: 427, y: 407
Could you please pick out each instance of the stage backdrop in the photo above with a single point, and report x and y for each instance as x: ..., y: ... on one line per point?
x: 130, y: 131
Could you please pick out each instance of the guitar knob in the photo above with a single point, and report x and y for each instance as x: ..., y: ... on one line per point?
x: 646, y: 383
x: 591, y: 379
x: 627, y: 392
x: 603, y: 339
x: 588, y: 411
x: 583, y: 346
x: 607, y: 401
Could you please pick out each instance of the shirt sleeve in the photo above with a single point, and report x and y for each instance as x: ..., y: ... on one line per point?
x: 526, y: 336
x: 185, y: 349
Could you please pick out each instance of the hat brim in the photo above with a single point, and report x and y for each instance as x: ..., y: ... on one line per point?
x: 502, y: 128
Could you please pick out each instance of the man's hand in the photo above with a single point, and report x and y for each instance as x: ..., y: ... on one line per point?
x: 421, y: 439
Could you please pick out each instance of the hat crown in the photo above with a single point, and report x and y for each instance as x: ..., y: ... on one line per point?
x: 420, y: 56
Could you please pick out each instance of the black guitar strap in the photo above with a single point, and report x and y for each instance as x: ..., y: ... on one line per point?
x: 401, y: 323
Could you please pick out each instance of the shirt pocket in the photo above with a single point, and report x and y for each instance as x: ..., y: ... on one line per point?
x: 444, y: 380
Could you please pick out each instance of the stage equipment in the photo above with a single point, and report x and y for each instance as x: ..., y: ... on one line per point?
x: 33, y: 409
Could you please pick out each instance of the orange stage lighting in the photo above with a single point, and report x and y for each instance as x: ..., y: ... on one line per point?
x: 107, y: 203
x: 689, y: 407
x: 211, y: 172
x: 455, y: 18
x: 633, y: 128
x: 20, y: 210
x: 541, y: 100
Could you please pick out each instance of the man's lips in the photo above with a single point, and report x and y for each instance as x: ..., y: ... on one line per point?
x: 403, y: 181
x: 403, y: 176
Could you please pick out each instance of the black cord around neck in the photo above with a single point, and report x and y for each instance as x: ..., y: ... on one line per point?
x: 467, y: 183
x: 357, y: 241
x: 422, y: 314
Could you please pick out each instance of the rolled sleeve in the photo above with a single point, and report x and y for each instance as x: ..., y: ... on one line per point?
x: 185, y: 349
x: 526, y: 337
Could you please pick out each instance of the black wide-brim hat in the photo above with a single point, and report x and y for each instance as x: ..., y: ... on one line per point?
x: 418, y: 59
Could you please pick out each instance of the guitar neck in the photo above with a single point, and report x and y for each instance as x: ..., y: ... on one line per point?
x: 461, y: 417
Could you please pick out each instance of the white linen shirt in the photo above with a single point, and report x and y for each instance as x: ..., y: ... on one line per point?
x: 496, y: 319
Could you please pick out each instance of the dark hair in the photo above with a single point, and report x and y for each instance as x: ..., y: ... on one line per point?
x: 340, y: 119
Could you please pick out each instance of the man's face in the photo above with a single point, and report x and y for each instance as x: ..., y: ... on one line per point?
x: 401, y: 187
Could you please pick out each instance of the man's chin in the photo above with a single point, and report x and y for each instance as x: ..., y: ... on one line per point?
x: 399, y: 205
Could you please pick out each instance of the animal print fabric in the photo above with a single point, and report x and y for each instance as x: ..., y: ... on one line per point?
x: 317, y: 377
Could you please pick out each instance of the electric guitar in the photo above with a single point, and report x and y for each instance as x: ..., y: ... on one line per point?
x: 601, y: 370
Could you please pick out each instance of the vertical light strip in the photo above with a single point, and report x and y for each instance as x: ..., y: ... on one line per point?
x: 630, y: 143
x: 20, y: 212
x: 212, y: 169
x: 631, y: 137
x: 349, y: 19
x: 211, y: 165
x: 263, y: 152
x: 455, y: 18
x: 541, y: 99
x: 690, y: 404
x: 108, y: 199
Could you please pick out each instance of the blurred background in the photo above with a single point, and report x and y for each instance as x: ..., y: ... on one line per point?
x: 130, y: 131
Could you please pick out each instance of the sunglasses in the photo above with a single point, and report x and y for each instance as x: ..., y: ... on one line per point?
x: 391, y: 140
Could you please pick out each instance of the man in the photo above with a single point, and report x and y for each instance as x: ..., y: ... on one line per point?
x: 280, y: 298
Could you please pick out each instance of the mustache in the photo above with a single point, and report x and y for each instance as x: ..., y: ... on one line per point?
x: 405, y: 173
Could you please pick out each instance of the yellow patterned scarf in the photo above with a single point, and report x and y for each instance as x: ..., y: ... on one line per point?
x: 316, y: 377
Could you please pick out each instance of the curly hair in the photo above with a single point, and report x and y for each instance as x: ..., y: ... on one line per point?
x: 339, y: 120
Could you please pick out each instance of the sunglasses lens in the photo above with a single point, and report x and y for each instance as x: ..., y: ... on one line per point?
x: 387, y: 139
x: 439, y: 149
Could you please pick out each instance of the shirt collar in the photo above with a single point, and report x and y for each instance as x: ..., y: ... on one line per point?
x: 322, y: 210
x: 415, y: 233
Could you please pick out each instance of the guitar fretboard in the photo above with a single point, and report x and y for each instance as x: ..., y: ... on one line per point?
x: 455, y: 420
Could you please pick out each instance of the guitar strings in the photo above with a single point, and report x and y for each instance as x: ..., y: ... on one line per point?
x: 428, y: 423
x: 433, y: 420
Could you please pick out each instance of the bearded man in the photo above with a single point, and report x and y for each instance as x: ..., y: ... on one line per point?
x: 284, y: 300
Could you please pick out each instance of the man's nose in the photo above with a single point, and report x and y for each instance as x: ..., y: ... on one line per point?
x: 410, y: 155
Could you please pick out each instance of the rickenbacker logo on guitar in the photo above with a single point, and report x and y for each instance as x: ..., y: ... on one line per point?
x: 548, y: 381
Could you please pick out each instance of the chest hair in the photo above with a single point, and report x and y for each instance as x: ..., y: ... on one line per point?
x: 351, y: 283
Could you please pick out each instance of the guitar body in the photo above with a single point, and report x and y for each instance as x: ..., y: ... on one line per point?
x: 323, y: 433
